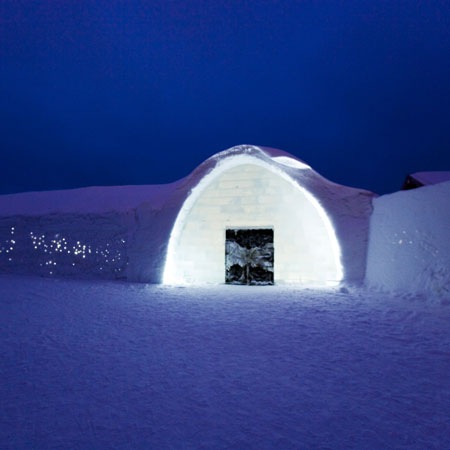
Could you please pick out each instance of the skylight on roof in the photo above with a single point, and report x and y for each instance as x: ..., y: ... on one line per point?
x: 290, y: 162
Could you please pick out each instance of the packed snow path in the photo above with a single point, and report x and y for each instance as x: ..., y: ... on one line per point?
x: 112, y: 365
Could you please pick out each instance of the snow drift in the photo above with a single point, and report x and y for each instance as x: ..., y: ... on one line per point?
x: 102, y: 365
x: 409, y: 245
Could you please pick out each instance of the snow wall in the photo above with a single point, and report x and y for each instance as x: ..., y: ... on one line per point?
x: 409, y: 244
x: 97, y: 232
x: 124, y: 232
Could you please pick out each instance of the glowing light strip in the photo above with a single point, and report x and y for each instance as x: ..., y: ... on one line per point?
x: 171, y: 276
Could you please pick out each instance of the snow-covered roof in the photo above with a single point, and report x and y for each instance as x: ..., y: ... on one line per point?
x: 101, y: 199
x: 96, y: 199
x: 429, y: 178
x: 280, y: 160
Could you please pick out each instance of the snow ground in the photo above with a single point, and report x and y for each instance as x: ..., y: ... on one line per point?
x: 93, y: 365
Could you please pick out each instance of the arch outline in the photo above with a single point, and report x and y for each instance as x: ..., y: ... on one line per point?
x: 224, y: 162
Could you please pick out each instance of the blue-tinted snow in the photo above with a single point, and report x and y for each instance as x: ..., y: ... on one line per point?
x: 409, y: 243
x: 109, y: 365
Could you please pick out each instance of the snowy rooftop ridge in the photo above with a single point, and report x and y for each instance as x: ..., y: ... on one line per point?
x: 429, y: 178
x: 103, y: 199
x: 89, y: 200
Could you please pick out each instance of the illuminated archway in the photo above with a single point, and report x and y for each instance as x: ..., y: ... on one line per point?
x: 244, y: 191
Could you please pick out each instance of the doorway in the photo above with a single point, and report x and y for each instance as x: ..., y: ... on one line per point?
x: 249, y: 256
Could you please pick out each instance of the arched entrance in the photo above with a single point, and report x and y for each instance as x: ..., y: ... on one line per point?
x: 245, y: 192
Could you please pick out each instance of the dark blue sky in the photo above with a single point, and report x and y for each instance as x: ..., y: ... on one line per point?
x: 140, y: 92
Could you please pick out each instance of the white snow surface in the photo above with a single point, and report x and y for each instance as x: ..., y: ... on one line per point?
x: 409, y: 243
x: 88, y: 200
x: 102, y: 364
x: 427, y: 178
